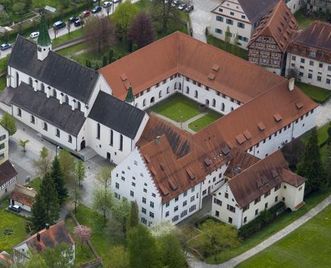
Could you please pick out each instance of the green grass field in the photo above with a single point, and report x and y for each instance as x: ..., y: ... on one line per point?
x: 204, y: 121
x: 303, y: 20
x: 12, y: 228
x: 68, y: 37
x: 309, y: 246
x: 177, y: 108
x: 318, y: 94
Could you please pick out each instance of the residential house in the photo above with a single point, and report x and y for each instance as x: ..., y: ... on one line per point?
x: 22, y: 196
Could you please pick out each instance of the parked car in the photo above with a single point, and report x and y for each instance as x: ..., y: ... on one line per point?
x: 189, y: 8
x: 117, y: 1
x: 78, y: 22
x: 182, y: 6
x: 5, y: 46
x: 72, y: 19
x: 96, y: 9
x: 34, y: 35
x: 86, y: 13
x: 107, y: 4
x: 59, y: 25
x: 15, y: 208
x: 176, y: 2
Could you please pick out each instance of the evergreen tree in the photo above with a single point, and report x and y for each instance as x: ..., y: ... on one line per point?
x: 327, y: 164
x: 142, y: 248
x: 104, y: 60
x: 39, y: 216
x: 134, y: 215
x: 311, y: 166
x: 110, y: 55
x: 171, y: 252
x: 57, y: 176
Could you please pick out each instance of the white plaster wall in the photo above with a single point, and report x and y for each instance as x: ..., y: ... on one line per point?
x: 25, y: 207
x: 310, y: 66
x: 294, y: 5
x: 7, y: 187
x: 4, y: 142
x: 293, y: 195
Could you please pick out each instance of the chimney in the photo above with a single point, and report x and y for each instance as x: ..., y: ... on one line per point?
x: 157, y: 140
x: 291, y: 82
x: 47, y: 226
x: 38, y: 237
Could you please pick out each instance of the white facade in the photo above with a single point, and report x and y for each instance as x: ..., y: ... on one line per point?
x: 294, y: 5
x: 226, y: 209
x: 310, y: 71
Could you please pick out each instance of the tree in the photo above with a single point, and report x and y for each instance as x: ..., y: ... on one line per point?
x: 110, y: 55
x: 214, y: 238
x: 142, y: 248
x: 99, y: 33
x: 293, y: 152
x: 134, y: 215
x: 171, y: 252
x: 57, y: 176
x: 228, y: 35
x: 102, y: 202
x: 121, y: 212
x: 8, y: 122
x: 67, y: 164
x: 59, y: 256
x: 104, y: 176
x: 141, y: 31
x: 80, y: 171
x: 327, y: 164
x: 118, y: 257
x: 46, y: 207
x: 104, y: 60
x: 43, y: 163
x: 311, y: 166
x: 122, y: 17
x: 23, y: 144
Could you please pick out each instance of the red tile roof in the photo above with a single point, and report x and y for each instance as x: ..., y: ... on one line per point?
x: 23, y: 195
x: 7, y: 172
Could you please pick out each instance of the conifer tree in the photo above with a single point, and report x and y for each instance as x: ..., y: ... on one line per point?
x: 57, y: 176
x: 311, y: 166
x: 39, y: 217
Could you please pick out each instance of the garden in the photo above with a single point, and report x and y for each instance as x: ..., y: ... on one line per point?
x: 320, y: 95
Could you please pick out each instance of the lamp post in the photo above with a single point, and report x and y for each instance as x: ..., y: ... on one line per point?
x: 56, y: 149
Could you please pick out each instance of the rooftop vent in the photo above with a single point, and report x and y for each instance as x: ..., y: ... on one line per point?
x: 216, y: 67
x: 247, y: 135
x: 207, y: 162
x: 163, y: 189
x: 261, y: 126
x: 211, y: 76
x: 225, y: 150
x: 157, y: 140
x: 124, y: 77
x: 190, y: 174
x: 240, y: 139
x: 147, y: 158
x: 291, y: 83
x: 172, y: 185
x: 277, y: 117
x: 299, y: 105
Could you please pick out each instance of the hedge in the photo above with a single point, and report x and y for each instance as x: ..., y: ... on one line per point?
x: 266, y: 217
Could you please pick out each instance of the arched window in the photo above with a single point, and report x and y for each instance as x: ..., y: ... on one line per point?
x: 223, y: 107
x: 30, y: 81
x: 78, y: 105
x: 160, y: 93
x: 121, y: 142
x: 214, y: 103
x: 196, y: 94
x: 111, y: 137
x: 168, y: 90
x: 179, y: 86
x: 152, y: 100
x: 144, y: 102
x: 17, y: 79
x: 98, y: 131
x: 42, y: 87
x: 54, y: 93
x: 66, y: 99
x: 187, y: 90
x: 69, y: 139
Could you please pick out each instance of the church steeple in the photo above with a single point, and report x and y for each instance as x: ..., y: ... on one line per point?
x: 129, y: 96
x: 44, y: 42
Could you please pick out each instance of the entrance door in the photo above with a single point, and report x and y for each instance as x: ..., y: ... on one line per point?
x: 108, y: 156
x: 82, y: 145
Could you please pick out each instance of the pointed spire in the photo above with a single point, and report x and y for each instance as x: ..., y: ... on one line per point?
x: 129, y: 96
x: 43, y: 38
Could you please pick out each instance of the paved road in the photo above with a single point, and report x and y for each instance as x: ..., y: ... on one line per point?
x: 268, y: 242
x: 201, y: 17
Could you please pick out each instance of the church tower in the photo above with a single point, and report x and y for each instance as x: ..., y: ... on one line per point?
x: 44, y: 43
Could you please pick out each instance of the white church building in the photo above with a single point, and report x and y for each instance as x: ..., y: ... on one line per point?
x: 166, y: 170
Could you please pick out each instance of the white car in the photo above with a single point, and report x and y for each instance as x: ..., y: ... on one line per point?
x: 107, y: 4
x: 34, y: 35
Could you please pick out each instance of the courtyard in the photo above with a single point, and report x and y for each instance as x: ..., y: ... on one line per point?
x: 185, y: 113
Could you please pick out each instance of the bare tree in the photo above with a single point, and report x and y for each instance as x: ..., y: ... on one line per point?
x: 100, y: 33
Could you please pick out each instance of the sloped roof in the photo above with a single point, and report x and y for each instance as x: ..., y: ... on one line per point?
x: 49, y: 238
x: 117, y: 114
x: 55, y: 70
x: 180, y: 53
x: 48, y: 109
x: 261, y: 177
x: 279, y: 23
x: 7, y: 172
x: 23, y: 195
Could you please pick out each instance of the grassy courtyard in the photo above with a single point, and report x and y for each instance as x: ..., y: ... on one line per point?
x: 12, y: 228
x: 177, y: 108
x: 318, y: 94
x: 308, y: 246
x: 204, y: 121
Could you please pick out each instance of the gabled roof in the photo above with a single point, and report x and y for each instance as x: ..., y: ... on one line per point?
x: 261, y: 177
x: 49, y: 238
x: 7, y: 172
x: 49, y: 109
x: 116, y: 114
x: 279, y: 23
x: 253, y: 9
x: 23, y: 195
x: 55, y: 70
x: 180, y: 53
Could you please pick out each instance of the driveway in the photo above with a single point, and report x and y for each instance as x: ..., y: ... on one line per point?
x: 201, y: 17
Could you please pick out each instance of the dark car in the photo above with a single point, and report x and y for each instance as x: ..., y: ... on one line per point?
x: 15, y: 208
x: 189, y: 8
x: 59, y: 25
x: 5, y: 46
x: 96, y: 9
x: 78, y: 22
x: 72, y: 19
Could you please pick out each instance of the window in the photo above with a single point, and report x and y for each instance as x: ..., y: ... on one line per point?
x: 132, y: 193
x: 2, y: 145
x: 160, y: 93
x: 111, y: 137
x: 293, y: 57
x: 143, y: 210
x: 192, y: 198
x: 319, y: 78
x: 144, y: 200
x: 184, y: 203
x: 153, y: 194
x: 245, y: 219
x: 133, y: 184
x: 230, y: 220
x: 302, y: 60
x: 185, y: 193
x: 226, y: 195
x: 2, y: 137
x: 229, y: 21
x: 320, y: 65
x: 256, y: 211
x: 257, y: 200
x: 32, y: 119
x: 151, y: 204
x: 266, y: 205
x: 175, y: 208
x: 311, y: 63
x: 69, y: 139
x: 144, y: 102
x: 167, y: 205
x: 98, y: 131
x: 217, y: 201
x: 230, y: 208
x: 151, y: 214
x: 57, y: 133
x: 196, y: 94
x: 175, y: 218
x: 219, y: 31
x: 217, y: 213
x: 241, y: 25
x: 232, y: 13
x: 276, y: 199
x: 219, y: 18
x: 310, y: 76
x: 45, y: 126
x: 121, y: 142
x: 167, y: 214
x: 176, y: 199
x: 19, y: 112
x: 192, y: 208
x: 117, y: 186
x: 266, y: 194
x: 184, y: 213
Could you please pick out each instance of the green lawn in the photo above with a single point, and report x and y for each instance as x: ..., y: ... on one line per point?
x: 281, y: 222
x: 308, y: 246
x: 235, y: 50
x: 3, y: 64
x: 67, y: 37
x: 303, y: 20
x: 2, y: 82
x: 103, y: 238
x: 204, y: 121
x: 178, y: 108
x: 318, y: 94
x: 35, y: 183
x: 11, y: 223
